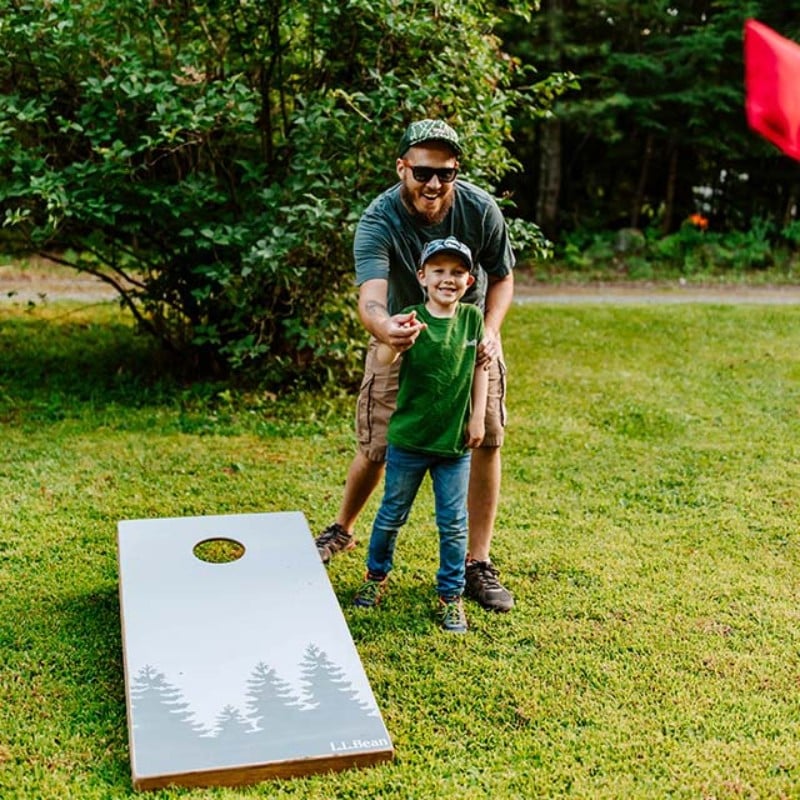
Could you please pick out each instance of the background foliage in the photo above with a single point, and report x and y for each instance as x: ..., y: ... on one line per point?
x: 657, y: 131
x: 210, y: 158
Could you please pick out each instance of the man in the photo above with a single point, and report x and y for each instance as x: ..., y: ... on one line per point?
x: 428, y: 203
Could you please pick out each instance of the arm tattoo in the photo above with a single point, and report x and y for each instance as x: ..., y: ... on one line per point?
x: 376, y: 309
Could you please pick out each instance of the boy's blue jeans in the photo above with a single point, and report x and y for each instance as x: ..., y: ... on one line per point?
x: 404, y: 473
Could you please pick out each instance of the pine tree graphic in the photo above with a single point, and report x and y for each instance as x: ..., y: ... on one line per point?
x: 276, y: 725
x: 270, y: 700
x: 159, y: 705
x: 231, y: 724
x: 236, y: 742
x: 164, y: 729
x: 334, y: 701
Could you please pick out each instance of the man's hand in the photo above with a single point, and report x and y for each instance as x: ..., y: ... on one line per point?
x: 499, y: 296
x: 401, y: 330
x: 489, y: 348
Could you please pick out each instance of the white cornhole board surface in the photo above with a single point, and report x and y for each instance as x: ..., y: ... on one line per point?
x: 240, y: 671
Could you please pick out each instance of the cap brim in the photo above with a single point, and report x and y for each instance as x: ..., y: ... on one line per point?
x: 453, y: 252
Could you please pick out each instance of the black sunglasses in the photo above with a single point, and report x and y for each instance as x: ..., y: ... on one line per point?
x: 424, y: 174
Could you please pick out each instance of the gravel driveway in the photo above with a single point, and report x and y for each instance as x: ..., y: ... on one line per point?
x: 23, y: 286
x: 648, y: 294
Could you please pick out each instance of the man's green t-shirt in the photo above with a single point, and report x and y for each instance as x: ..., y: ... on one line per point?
x: 433, y: 402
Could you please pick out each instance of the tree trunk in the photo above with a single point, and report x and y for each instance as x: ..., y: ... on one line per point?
x: 669, y: 199
x: 549, y: 187
x: 644, y: 172
x: 790, y: 209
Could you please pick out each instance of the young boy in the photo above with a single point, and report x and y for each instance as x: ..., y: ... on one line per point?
x: 441, y: 405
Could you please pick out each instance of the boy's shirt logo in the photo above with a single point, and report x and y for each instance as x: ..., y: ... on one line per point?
x: 471, y: 343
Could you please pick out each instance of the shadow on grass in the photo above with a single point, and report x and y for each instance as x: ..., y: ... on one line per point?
x: 78, y: 355
x: 93, y: 705
x: 65, y: 363
x: 67, y: 655
x: 87, y: 628
x: 410, y: 610
x: 90, y: 364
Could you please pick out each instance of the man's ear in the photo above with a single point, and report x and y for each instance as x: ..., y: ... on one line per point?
x: 400, y: 167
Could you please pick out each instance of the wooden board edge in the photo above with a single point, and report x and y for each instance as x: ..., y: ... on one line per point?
x: 125, y: 676
x: 242, y: 776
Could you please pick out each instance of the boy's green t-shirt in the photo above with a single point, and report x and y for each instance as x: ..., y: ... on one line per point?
x: 434, y: 398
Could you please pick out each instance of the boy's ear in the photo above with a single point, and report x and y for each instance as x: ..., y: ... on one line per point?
x: 470, y: 280
x: 421, y: 276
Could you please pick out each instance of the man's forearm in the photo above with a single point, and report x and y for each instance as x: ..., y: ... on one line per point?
x: 372, y: 307
x: 373, y: 314
x: 499, y: 296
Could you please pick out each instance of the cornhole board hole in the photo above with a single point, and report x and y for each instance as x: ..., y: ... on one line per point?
x: 238, y: 670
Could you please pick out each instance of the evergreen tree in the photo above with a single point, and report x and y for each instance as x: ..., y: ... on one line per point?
x: 659, y: 114
x: 335, y: 702
x: 159, y: 706
x: 271, y: 701
x: 231, y: 727
x: 166, y: 735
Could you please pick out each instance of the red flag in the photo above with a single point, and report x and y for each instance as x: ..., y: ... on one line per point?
x: 772, y: 86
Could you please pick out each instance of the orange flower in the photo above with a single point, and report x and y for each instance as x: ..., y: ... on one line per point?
x: 699, y: 221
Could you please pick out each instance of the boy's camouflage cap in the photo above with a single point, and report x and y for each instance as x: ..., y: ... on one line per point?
x: 448, y: 245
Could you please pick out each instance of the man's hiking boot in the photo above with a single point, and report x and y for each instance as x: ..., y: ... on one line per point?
x: 483, y: 586
x: 334, y: 539
x: 451, y: 615
x: 370, y: 592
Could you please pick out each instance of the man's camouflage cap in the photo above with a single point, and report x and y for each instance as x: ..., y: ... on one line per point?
x: 429, y: 130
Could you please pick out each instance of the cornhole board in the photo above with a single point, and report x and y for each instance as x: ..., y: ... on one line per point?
x: 241, y: 671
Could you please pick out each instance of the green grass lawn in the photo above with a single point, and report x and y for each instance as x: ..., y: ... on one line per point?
x: 649, y: 530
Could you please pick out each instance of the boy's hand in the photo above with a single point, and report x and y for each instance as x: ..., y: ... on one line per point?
x: 476, y: 430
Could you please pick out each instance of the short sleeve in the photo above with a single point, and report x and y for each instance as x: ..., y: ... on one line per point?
x: 371, y: 249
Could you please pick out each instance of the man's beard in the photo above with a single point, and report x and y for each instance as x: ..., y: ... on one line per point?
x: 426, y: 219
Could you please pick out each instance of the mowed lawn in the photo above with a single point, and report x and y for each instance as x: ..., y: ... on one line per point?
x: 648, y: 529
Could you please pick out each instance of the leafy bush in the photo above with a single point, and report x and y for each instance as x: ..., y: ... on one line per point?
x: 210, y: 159
x: 692, y: 251
x: 791, y: 233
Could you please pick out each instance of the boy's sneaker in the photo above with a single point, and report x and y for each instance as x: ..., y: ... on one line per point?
x: 370, y: 592
x: 451, y: 614
x: 482, y: 584
x: 334, y: 539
